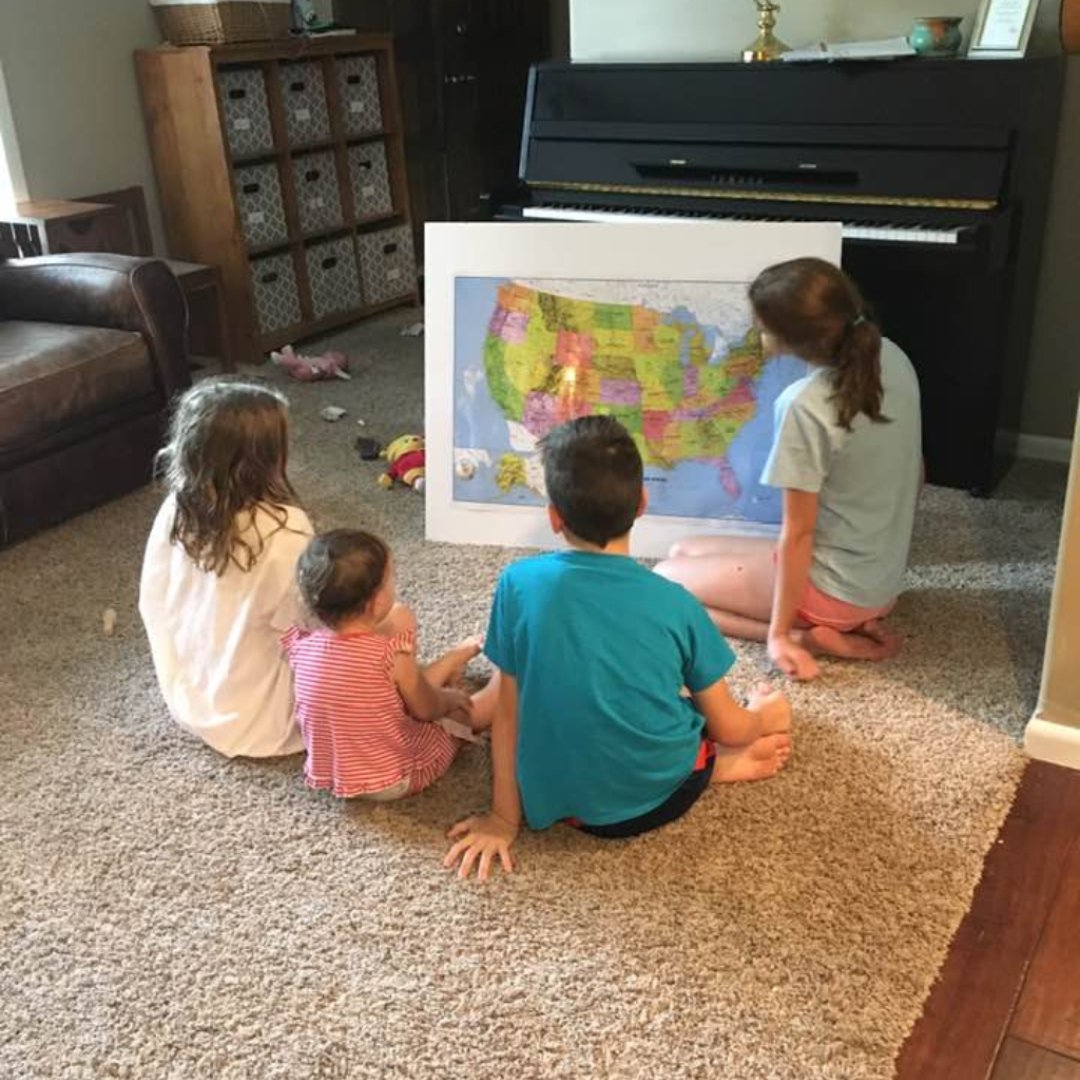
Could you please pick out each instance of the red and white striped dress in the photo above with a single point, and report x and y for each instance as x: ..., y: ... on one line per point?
x: 359, y: 735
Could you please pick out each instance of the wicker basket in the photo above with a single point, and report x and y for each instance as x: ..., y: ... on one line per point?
x: 222, y: 22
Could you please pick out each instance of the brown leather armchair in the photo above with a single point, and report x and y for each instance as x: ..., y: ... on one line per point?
x: 93, y: 348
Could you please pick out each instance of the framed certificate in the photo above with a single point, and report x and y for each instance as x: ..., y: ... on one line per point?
x: 1002, y: 29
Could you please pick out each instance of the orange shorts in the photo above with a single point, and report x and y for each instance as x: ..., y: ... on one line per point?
x: 819, y: 609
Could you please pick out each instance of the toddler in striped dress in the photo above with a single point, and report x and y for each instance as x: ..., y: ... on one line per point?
x: 368, y: 713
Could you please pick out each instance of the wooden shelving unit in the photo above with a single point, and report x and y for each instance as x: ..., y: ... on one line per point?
x: 207, y: 107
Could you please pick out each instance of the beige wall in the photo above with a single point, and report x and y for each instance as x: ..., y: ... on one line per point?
x: 1054, y: 376
x: 74, y: 99
x: 610, y: 30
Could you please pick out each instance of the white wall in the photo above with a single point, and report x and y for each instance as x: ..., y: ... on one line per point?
x: 74, y: 98
x: 651, y: 30
x: 12, y: 177
x: 608, y: 30
x: 603, y: 30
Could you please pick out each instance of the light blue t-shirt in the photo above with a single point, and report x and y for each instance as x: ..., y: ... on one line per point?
x: 867, y: 479
x: 600, y: 648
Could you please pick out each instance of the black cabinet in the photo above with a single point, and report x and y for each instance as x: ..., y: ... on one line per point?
x: 462, y: 68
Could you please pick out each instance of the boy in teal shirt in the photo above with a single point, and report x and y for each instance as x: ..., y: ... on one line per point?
x: 595, y: 653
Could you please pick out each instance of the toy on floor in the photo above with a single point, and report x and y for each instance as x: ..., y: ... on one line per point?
x: 369, y: 449
x: 405, y: 457
x: 312, y: 368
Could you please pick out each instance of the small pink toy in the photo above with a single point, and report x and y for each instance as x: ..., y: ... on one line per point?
x: 312, y: 368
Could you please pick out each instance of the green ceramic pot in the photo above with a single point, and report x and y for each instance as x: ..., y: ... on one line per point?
x: 936, y: 35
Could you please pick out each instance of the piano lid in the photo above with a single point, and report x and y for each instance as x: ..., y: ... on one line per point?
x: 917, y: 134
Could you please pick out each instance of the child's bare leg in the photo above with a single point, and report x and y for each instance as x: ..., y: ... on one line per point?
x: 738, y: 626
x: 694, y: 547
x: 449, y: 667
x: 736, y: 583
x: 483, y: 702
x: 763, y: 758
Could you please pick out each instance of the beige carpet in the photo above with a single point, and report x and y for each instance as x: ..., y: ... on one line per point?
x: 166, y: 913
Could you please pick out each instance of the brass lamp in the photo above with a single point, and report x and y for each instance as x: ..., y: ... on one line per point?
x: 766, y: 46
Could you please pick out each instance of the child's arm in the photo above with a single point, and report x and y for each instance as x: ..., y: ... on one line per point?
x: 424, y: 701
x: 730, y: 724
x: 490, y: 835
x: 792, y: 572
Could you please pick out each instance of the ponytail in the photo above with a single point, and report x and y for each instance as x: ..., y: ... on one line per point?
x: 815, y: 311
x: 856, y: 373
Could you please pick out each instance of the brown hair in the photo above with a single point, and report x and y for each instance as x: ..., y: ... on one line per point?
x: 593, y: 476
x: 816, y: 311
x: 339, y: 572
x: 225, y: 458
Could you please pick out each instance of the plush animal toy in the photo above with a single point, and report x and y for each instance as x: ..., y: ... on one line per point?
x: 331, y: 365
x: 405, y: 456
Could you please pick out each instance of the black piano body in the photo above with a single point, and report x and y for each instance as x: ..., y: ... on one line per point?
x: 939, y: 170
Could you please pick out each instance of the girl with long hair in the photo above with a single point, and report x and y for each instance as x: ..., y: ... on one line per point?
x: 218, y: 585
x: 847, y: 456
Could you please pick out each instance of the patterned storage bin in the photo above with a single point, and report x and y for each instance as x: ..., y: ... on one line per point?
x: 335, y: 285
x: 273, y: 284
x: 358, y: 87
x: 370, y: 179
x: 259, y: 202
x: 317, y: 196
x: 245, y: 110
x: 387, y: 266
x: 303, y: 92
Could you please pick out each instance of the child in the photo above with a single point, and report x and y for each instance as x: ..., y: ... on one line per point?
x: 218, y: 581
x: 847, y: 453
x: 591, y: 725
x: 364, y: 705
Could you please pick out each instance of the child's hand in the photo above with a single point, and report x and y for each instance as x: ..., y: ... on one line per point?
x: 773, y: 708
x: 458, y: 704
x: 482, y: 838
x: 793, y: 660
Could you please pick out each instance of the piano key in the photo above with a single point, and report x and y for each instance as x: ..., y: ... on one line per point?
x: 878, y: 232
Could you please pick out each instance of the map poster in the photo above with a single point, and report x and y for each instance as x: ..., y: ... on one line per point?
x: 531, y: 325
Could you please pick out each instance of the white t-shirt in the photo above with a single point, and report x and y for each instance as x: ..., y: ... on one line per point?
x: 214, y: 638
x: 867, y: 479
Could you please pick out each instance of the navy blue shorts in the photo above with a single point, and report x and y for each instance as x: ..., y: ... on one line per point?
x: 671, y: 809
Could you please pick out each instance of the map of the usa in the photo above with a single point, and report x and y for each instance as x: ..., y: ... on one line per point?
x: 679, y: 364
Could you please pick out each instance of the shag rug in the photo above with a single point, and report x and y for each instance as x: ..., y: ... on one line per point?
x: 168, y: 913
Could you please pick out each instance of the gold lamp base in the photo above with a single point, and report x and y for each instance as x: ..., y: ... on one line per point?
x: 766, y: 46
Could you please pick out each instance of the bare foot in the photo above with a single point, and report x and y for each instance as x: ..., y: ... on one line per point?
x: 876, y: 630
x: 450, y: 667
x: 459, y: 656
x: 853, y: 646
x: 763, y: 758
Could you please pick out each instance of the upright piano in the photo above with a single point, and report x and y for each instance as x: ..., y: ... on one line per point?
x: 938, y: 170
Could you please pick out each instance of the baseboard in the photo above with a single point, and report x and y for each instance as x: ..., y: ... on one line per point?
x: 1044, y: 448
x: 1058, y: 744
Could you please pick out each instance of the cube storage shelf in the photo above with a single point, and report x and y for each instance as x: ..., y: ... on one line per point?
x: 283, y: 165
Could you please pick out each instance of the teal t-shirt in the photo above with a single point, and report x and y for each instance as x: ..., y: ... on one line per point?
x: 600, y: 648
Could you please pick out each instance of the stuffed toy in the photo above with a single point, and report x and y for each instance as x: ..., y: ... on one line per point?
x: 312, y: 368
x: 405, y: 456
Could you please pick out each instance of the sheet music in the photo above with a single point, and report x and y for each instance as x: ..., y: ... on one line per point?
x: 882, y: 49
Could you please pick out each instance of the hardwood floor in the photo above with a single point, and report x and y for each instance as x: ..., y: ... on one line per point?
x: 1006, y: 1005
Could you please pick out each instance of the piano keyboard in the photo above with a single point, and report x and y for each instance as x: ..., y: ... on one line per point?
x: 883, y: 232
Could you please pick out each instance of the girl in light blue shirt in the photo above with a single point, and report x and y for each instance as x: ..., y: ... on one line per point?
x: 847, y: 455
